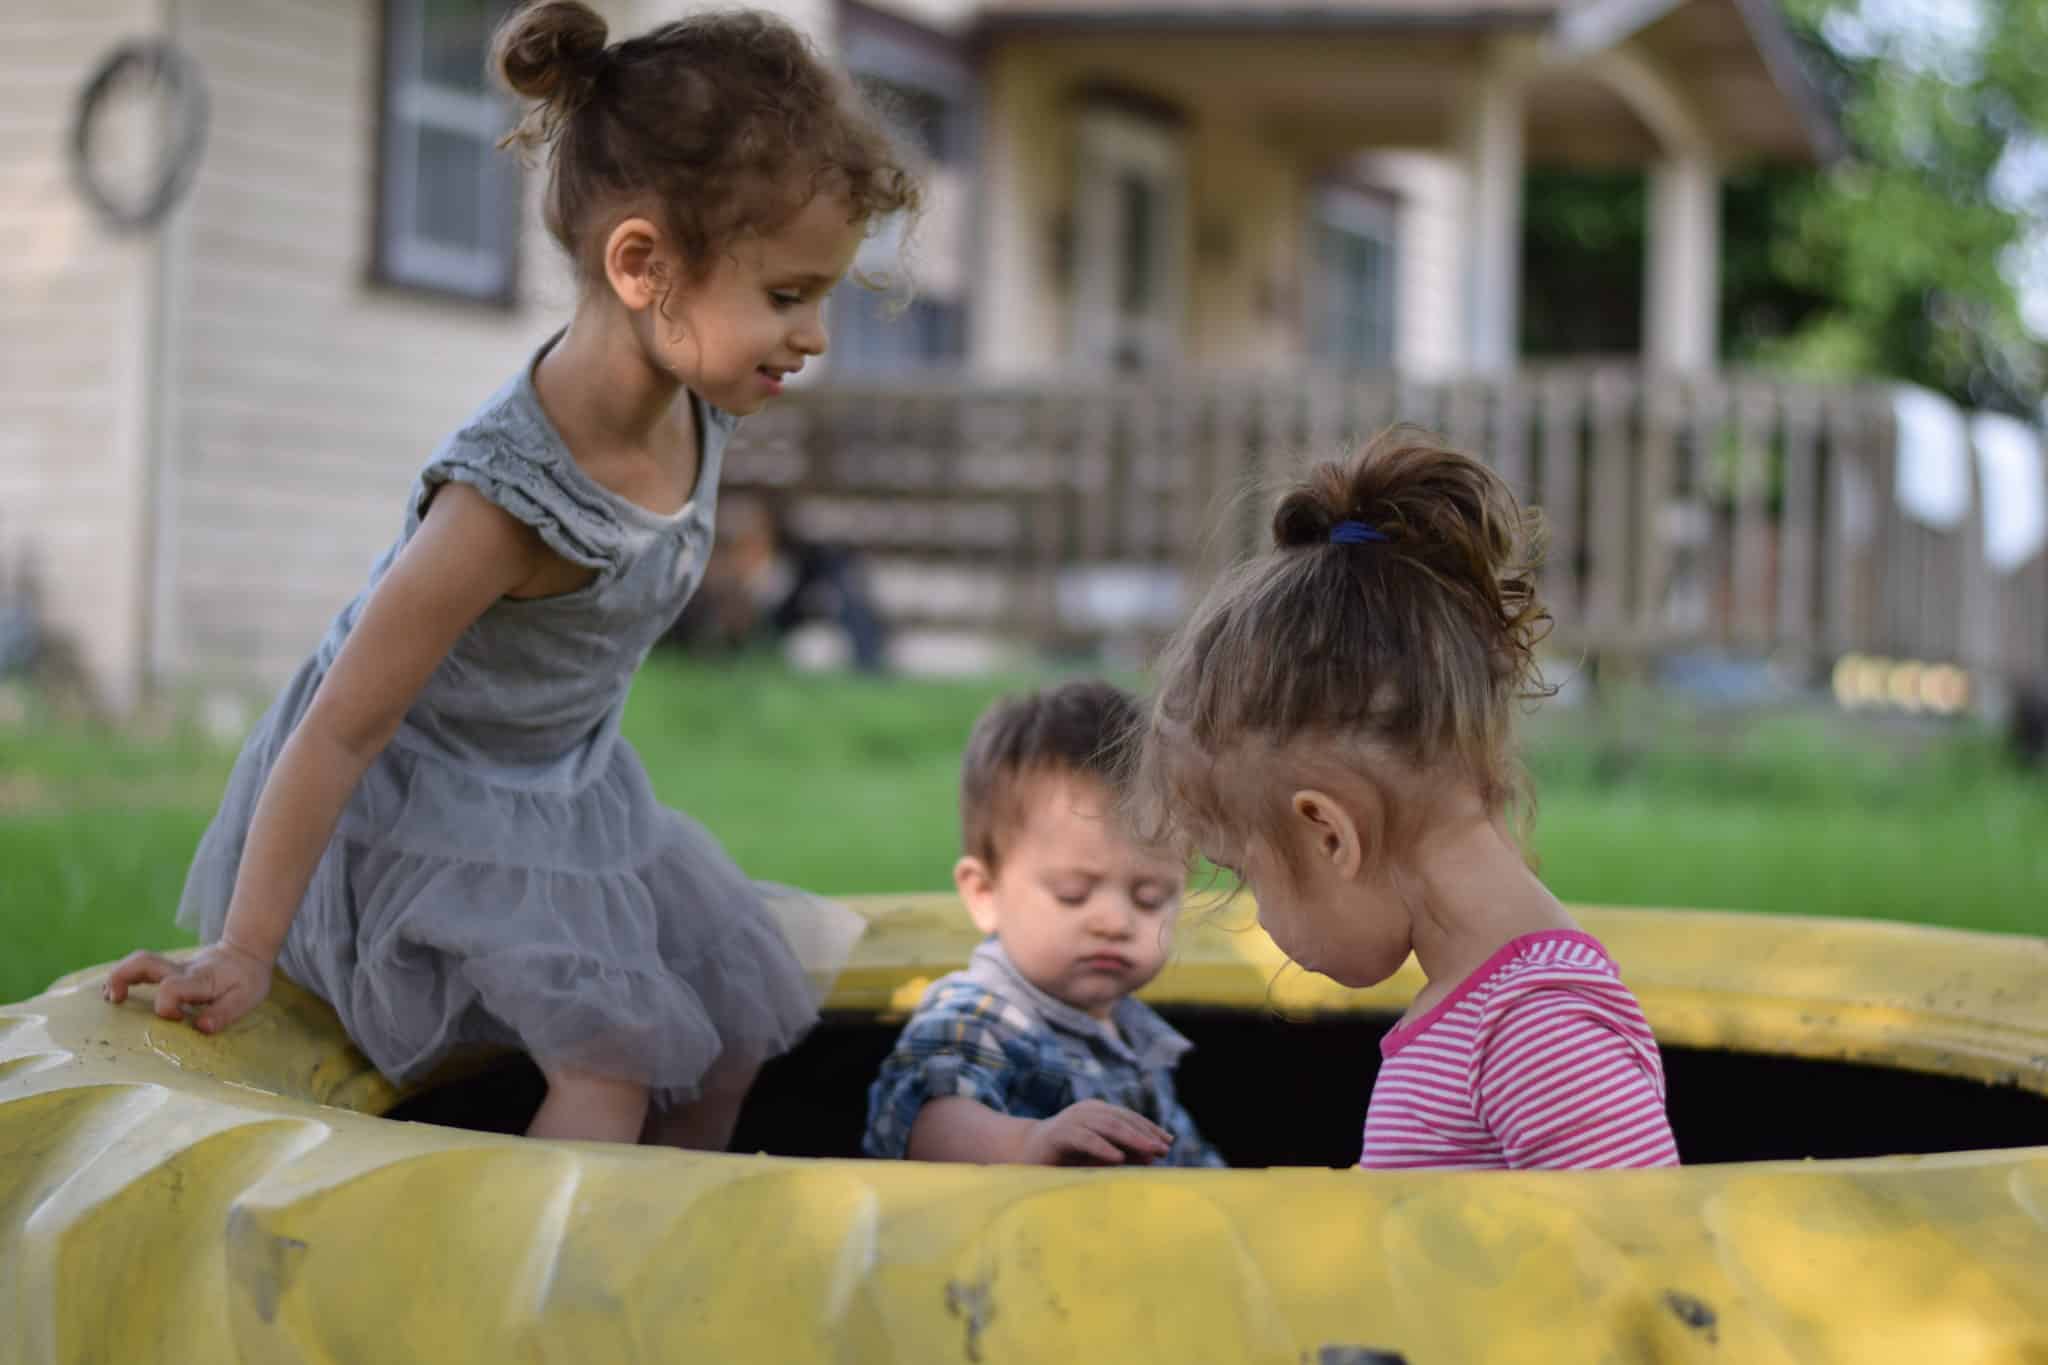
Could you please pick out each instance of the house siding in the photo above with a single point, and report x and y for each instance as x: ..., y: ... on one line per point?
x: 302, y: 396
x: 74, y: 346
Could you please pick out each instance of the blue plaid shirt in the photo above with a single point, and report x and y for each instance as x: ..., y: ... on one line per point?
x: 987, y: 1034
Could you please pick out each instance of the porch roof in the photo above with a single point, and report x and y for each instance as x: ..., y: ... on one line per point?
x: 1289, y: 14
x: 1736, y: 60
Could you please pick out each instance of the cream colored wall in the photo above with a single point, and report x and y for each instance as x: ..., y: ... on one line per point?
x: 301, y: 398
x: 74, y: 346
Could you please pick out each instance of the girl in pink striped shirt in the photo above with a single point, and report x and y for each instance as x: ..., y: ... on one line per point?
x: 1336, y: 726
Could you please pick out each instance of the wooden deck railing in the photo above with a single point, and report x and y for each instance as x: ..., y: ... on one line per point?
x: 1743, y: 511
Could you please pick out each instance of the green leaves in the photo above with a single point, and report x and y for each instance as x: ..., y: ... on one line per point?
x: 1906, y: 244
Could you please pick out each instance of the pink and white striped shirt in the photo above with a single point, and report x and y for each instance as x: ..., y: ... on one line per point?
x: 1540, y: 1059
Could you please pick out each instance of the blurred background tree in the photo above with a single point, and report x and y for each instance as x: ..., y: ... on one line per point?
x: 1922, y: 255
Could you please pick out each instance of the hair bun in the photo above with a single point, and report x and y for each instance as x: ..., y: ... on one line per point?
x: 551, y: 51
x: 1311, y: 509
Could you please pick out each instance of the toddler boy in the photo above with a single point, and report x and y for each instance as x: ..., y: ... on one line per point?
x: 1037, y: 1053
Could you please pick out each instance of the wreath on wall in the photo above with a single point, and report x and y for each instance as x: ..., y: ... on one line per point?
x: 166, y: 82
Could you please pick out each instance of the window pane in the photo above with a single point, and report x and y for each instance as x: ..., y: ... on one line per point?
x: 449, y: 189
x: 1135, y: 197
x: 1354, y: 317
x: 448, y: 209
x: 873, y: 335
x: 455, y: 37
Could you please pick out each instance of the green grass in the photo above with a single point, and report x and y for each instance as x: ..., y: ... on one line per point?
x: 1799, y: 813
x: 85, y: 886
x: 846, y: 785
x: 841, y: 784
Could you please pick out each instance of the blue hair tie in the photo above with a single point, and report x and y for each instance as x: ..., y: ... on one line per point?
x: 1356, y: 533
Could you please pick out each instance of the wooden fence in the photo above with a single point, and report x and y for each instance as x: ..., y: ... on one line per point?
x: 1742, y: 512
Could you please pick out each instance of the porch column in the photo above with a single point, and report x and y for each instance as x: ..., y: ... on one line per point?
x: 1018, y: 294
x: 1682, y: 277
x: 1493, y: 220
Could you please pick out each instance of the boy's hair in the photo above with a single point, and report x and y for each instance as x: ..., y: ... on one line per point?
x: 1406, y: 638
x: 1078, y: 729
x: 720, y: 125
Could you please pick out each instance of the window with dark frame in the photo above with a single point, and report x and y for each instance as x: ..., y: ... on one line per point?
x: 448, y: 201
x: 924, y: 94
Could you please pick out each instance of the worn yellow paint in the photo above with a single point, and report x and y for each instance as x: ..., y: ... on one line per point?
x: 165, y: 1195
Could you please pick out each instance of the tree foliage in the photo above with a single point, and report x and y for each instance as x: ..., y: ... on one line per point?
x: 1903, y: 260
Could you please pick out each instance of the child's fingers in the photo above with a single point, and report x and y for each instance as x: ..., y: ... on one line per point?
x: 1145, y: 1129
x: 138, y: 968
x: 218, y: 1017
x: 1126, y: 1116
x: 1132, y: 1119
x: 1131, y: 1132
x: 1081, y: 1142
x: 185, y: 990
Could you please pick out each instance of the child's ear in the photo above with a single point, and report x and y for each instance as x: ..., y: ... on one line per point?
x: 1332, y: 833
x: 977, y: 887
x: 633, y: 264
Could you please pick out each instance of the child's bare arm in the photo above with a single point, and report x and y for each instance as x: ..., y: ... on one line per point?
x: 1090, y: 1133
x: 465, y: 556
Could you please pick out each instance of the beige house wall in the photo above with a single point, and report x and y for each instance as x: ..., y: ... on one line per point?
x: 74, y: 352
x: 301, y: 396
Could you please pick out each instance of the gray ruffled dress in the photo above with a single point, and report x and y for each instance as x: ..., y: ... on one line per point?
x: 503, y: 876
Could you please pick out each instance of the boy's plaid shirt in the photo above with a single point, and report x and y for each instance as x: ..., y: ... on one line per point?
x: 987, y: 1034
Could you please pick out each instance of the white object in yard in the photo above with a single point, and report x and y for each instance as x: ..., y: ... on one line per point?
x: 816, y: 647
x: 1119, y: 596
x: 2015, y: 490
x: 223, y: 717
x: 1933, y: 475
x: 933, y: 653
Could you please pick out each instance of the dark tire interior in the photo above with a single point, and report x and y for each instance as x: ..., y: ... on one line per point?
x: 1276, y: 1092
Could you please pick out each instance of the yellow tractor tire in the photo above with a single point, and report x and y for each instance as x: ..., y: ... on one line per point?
x: 167, y: 1196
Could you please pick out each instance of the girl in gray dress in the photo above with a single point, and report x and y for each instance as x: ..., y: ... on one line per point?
x: 437, y: 827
